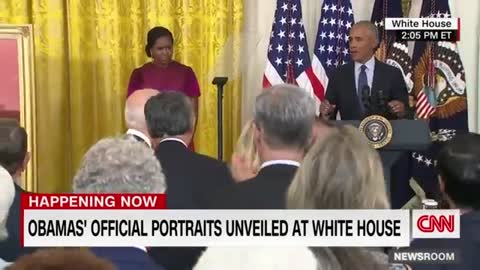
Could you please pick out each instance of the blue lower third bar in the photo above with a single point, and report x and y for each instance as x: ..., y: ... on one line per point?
x: 424, y: 256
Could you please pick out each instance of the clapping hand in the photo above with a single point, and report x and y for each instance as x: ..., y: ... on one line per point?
x: 242, y: 168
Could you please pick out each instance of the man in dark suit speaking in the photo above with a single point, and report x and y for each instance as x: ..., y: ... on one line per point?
x: 353, y: 83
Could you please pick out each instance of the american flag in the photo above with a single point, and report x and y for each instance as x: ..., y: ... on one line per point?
x: 331, y: 45
x: 393, y: 52
x: 385, y: 9
x: 423, y: 108
x: 423, y: 59
x: 288, y: 57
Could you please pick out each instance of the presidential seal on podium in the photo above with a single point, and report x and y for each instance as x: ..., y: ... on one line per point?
x: 377, y: 129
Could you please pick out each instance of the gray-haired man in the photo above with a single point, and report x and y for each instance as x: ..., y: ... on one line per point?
x: 119, y: 165
x: 283, y: 119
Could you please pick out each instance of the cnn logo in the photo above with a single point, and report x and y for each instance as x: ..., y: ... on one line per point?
x: 436, y: 224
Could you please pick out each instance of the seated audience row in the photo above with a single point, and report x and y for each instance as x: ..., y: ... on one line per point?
x: 285, y: 158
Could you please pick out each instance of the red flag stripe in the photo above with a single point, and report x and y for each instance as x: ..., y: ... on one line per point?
x: 424, y: 109
x: 266, y: 83
x: 317, y: 86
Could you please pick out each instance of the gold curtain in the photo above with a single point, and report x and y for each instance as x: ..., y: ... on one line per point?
x: 84, y: 54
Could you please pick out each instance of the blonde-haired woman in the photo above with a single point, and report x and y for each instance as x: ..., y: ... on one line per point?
x: 341, y: 171
x: 245, y: 160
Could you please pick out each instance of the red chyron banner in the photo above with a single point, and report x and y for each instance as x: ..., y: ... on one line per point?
x: 93, y: 201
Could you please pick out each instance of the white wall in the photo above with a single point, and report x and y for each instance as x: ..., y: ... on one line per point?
x: 258, y: 21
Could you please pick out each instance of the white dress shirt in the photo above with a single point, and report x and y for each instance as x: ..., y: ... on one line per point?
x: 141, y: 135
x: 141, y: 248
x: 370, y: 64
x: 280, y: 161
x: 175, y: 140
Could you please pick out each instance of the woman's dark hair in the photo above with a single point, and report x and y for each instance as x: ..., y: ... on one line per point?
x: 458, y: 164
x: 154, y: 34
x: 13, y: 145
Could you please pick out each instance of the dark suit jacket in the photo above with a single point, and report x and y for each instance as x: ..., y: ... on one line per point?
x: 342, y: 90
x: 267, y: 190
x: 468, y: 245
x: 10, y: 248
x: 194, y: 181
x: 126, y: 258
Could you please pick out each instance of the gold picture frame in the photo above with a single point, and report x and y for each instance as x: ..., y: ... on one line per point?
x: 23, y: 36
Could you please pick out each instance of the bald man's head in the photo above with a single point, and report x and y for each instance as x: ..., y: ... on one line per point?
x: 134, y: 109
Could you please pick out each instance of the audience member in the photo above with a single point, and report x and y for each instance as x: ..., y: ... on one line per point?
x: 271, y: 258
x: 7, y: 190
x: 194, y: 181
x: 135, y: 116
x: 283, y: 120
x: 341, y: 171
x: 61, y: 259
x: 458, y: 166
x: 14, y: 158
x: 115, y: 165
x: 245, y: 160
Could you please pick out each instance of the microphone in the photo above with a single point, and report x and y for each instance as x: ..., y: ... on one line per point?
x: 366, y: 99
x: 374, y: 102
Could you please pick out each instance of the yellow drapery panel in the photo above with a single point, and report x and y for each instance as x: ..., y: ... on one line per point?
x: 84, y: 54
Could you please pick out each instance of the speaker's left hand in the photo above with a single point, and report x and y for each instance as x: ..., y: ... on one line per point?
x: 397, y: 107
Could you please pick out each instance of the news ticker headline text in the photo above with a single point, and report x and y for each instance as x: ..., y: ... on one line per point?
x: 215, y: 227
x: 225, y: 227
x: 140, y: 219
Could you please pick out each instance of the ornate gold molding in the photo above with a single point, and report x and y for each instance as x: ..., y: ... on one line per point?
x: 26, y: 30
x: 26, y: 85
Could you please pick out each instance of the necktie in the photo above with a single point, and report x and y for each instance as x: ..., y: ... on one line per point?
x: 362, y: 82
